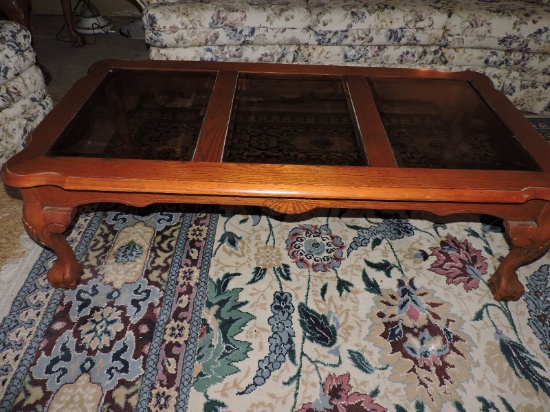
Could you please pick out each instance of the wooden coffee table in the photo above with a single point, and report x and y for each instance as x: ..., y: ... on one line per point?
x: 288, y: 137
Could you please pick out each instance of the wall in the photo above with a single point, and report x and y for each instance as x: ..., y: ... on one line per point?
x: 106, y: 7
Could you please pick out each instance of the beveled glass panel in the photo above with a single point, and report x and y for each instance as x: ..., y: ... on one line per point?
x: 445, y: 124
x: 140, y: 115
x: 292, y: 120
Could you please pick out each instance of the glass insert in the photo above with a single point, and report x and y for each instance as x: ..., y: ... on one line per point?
x: 292, y: 120
x: 140, y: 115
x: 445, y: 124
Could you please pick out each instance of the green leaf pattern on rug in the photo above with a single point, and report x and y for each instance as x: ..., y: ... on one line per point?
x: 523, y: 363
x: 317, y: 327
x: 257, y: 275
x: 371, y: 285
x: 384, y: 266
x: 229, y: 239
x: 284, y: 272
x: 361, y: 362
x: 219, y: 349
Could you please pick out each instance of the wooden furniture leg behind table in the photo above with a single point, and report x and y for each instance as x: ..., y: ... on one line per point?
x: 77, y: 38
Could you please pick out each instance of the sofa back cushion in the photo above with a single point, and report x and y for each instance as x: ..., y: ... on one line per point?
x: 500, y: 25
x: 188, y: 23
x: 379, y: 22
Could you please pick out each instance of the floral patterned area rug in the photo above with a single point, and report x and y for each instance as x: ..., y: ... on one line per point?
x: 349, y: 311
x: 199, y: 309
x: 241, y: 310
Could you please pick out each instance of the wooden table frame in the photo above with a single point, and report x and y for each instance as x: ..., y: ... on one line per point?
x: 52, y: 187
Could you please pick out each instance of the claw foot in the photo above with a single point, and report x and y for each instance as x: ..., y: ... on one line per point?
x: 65, y: 275
x: 506, y: 288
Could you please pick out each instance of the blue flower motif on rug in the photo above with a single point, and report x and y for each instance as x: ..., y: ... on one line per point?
x: 128, y: 253
x: 66, y: 363
x: 280, y: 341
x: 537, y: 297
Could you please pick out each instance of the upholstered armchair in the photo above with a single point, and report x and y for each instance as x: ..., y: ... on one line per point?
x: 24, y: 100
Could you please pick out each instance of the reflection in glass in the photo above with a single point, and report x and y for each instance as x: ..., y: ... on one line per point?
x: 140, y: 115
x: 445, y: 124
x: 292, y: 120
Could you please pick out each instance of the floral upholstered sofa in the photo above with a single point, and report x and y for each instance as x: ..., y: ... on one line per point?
x: 508, y: 40
x: 24, y: 100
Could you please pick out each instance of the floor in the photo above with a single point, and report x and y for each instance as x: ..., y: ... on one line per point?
x: 66, y: 64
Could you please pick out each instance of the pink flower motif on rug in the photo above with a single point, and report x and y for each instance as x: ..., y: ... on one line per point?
x: 315, y: 247
x: 460, y: 262
x: 423, y: 345
x: 338, y: 397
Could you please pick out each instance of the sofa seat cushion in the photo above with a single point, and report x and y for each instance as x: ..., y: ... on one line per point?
x: 500, y: 25
x: 16, y: 53
x: 227, y: 22
x: 517, y: 60
x: 360, y: 22
x: 416, y: 56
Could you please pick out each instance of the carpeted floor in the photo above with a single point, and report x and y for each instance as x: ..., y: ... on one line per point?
x: 184, y: 308
x: 242, y: 310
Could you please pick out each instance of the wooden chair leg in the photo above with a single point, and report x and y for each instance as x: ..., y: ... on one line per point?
x: 77, y: 38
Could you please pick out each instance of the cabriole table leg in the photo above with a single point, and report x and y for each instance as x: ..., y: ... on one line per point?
x: 46, y: 225
x: 530, y: 240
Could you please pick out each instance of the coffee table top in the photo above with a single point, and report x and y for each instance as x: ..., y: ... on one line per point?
x: 237, y: 129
